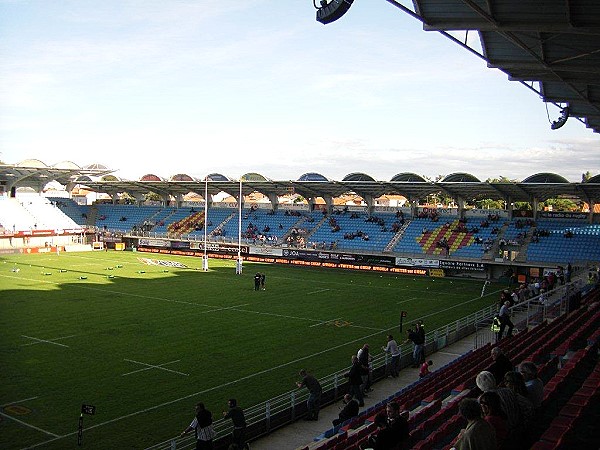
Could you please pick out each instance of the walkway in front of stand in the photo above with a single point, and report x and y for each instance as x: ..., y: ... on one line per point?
x: 301, y: 433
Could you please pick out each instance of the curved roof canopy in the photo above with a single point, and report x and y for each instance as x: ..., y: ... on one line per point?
x: 217, y: 177
x: 358, y: 176
x: 545, y: 178
x: 460, y: 177
x: 150, y: 177
x: 253, y: 176
x: 408, y: 176
x: 181, y: 177
x: 312, y: 176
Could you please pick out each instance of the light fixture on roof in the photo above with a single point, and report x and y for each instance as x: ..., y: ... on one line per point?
x: 331, y: 10
x: 564, y: 115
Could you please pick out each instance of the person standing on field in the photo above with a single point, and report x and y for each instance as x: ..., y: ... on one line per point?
x: 257, y: 278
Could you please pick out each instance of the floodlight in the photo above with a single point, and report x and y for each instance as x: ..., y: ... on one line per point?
x: 561, y: 120
x: 332, y: 10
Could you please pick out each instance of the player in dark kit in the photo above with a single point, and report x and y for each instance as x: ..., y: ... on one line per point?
x: 257, y: 281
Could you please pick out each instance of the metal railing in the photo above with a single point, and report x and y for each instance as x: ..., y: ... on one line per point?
x: 535, y: 310
x: 287, y: 407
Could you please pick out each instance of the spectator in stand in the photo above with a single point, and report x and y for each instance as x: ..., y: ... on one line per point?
x: 485, y: 382
x: 535, y: 386
x: 202, y: 427
x: 515, y: 382
x: 504, y: 316
x: 365, y: 360
x: 500, y: 365
x: 315, y: 390
x: 491, y: 408
x: 384, y: 437
x: 236, y: 414
x: 568, y: 273
x: 349, y: 410
x: 397, y: 420
x: 394, y: 363
x: 424, y: 370
x: 417, y: 336
x: 479, y: 434
x: 355, y: 378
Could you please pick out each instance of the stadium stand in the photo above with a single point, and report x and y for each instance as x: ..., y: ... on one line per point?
x: 554, y: 242
x: 565, y: 240
x: 34, y: 212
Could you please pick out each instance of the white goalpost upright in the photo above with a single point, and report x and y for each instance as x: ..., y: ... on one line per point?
x: 205, y: 257
x: 238, y: 264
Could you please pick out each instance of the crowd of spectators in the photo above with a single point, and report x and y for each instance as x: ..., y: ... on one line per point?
x: 296, y: 238
x: 430, y: 214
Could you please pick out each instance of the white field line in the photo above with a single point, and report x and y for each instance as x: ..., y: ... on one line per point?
x: 152, y: 366
x: 39, y: 341
x: 317, y: 292
x: 51, y: 341
x: 30, y: 426
x: 406, y: 301
x: 18, y: 401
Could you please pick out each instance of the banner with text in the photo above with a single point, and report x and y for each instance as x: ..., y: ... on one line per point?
x: 417, y: 262
x: 462, y: 265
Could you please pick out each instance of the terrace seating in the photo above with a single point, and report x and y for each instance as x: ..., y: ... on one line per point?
x: 111, y: 216
x: 571, y: 399
x: 33, y: 213
x: 352, y: 223
x: 556, y: 248
x: 460, y: 243
x: 571, y: 392
x: 71, y: 208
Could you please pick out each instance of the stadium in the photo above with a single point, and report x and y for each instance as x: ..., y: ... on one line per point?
x: 126, y: 302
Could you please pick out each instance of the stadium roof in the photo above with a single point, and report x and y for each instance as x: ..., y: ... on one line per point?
x: 35, y: 174
x: 555, y: 43
x: 540, y: 186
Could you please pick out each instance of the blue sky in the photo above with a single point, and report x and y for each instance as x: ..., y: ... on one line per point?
x: 196, y: 87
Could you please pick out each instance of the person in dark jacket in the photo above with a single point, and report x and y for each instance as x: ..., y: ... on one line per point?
x: 349, y: 410
x: 236, y: 414
x: 500, y: 366
x: 314, y: 398
x: 355, y: 378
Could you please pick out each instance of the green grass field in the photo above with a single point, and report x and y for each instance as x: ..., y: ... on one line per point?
x: 145, y: 347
